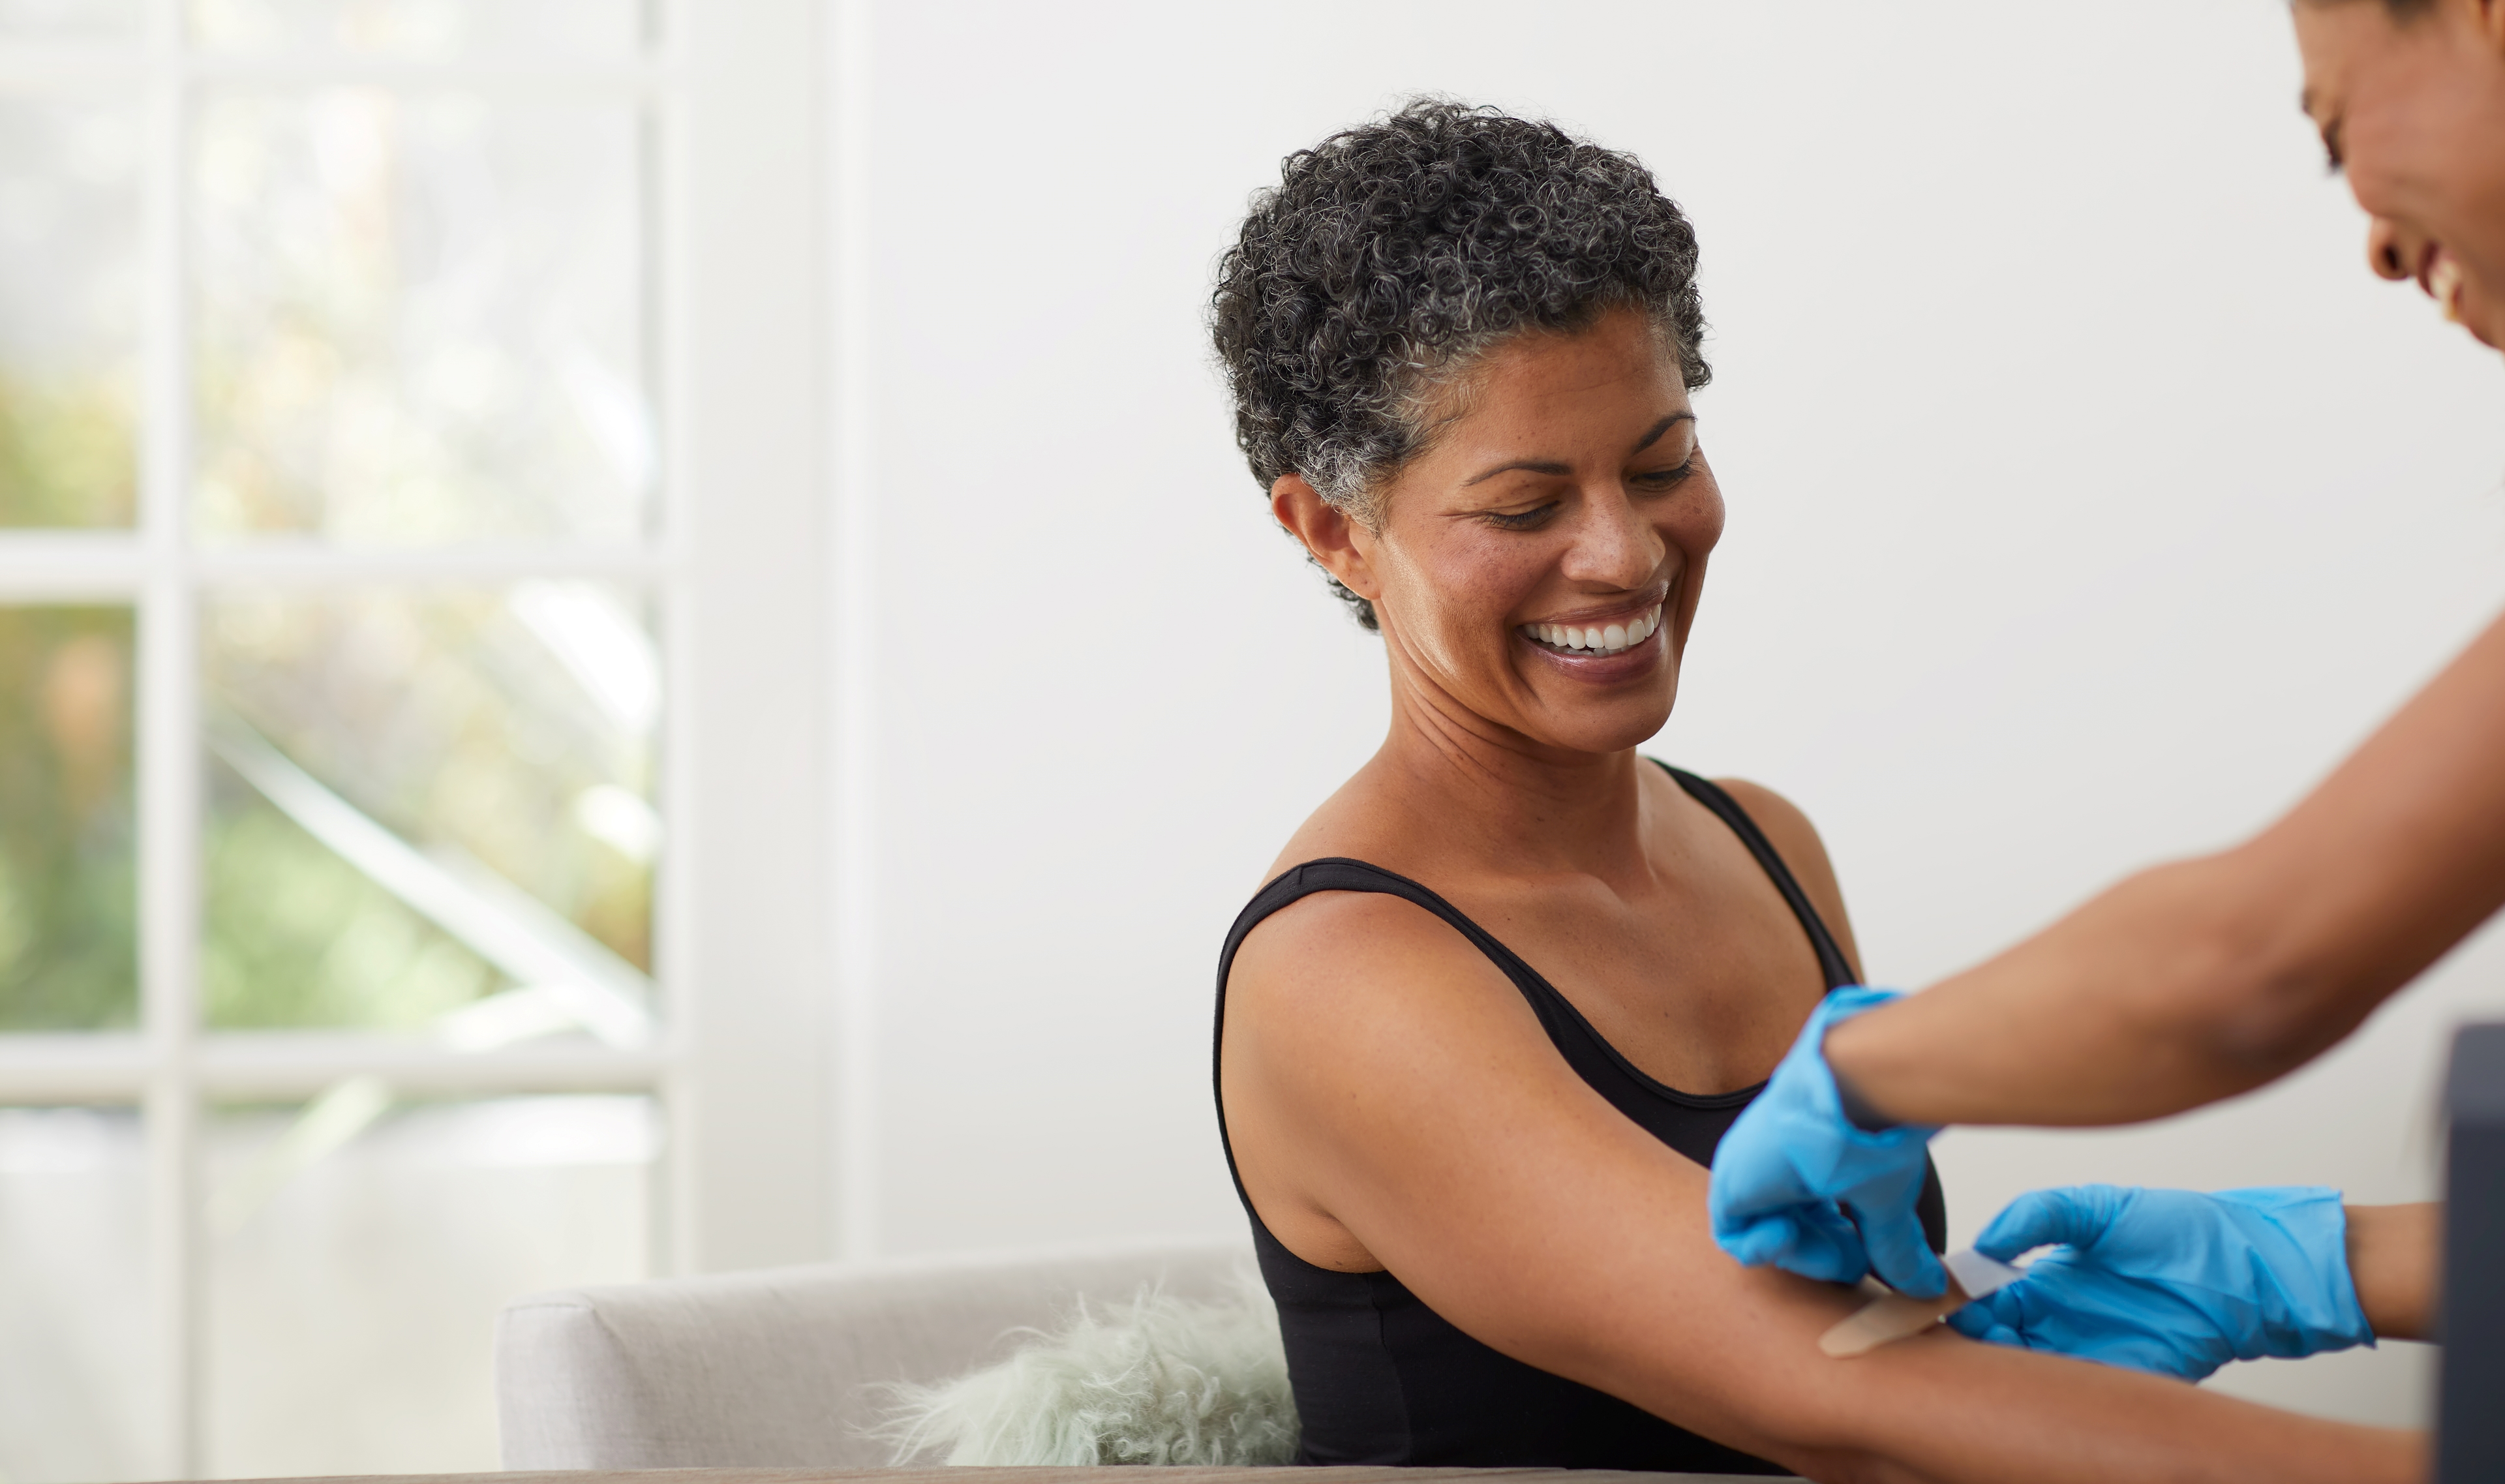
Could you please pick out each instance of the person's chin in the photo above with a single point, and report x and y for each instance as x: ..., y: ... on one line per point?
x: 2478, y: 310
x: 2485, y: 319
x: 1593, y: 721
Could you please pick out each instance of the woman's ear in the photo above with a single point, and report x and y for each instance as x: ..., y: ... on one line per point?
x: 1341, y: 545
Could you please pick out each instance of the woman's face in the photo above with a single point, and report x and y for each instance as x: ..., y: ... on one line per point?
x: 1540, y: 564
x: 2414, y: 112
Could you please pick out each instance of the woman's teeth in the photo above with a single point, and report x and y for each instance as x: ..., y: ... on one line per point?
x: 1597, y: 638
x: 2445, y: 283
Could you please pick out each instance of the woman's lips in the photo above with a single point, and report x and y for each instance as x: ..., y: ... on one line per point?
x: 2446, y: 283
x: 1638, y: 650
x: 1610, y: 637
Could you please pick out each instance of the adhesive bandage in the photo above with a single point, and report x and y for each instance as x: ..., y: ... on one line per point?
x: 1889, y: 1317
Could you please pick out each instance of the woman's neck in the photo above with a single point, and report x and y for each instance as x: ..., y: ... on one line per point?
x: 1495, y: 798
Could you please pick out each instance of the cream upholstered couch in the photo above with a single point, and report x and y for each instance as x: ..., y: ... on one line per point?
x: 781, y: 1367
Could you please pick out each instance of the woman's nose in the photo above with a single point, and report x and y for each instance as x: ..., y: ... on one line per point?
x: 1617, y: 546
x: 2388, y: 250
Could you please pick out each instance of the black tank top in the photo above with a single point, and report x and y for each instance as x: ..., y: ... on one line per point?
x: 1379, y: 1377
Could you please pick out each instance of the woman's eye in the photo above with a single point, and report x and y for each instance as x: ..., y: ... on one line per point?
x: 1665, y: 478
x: 1522, y: 520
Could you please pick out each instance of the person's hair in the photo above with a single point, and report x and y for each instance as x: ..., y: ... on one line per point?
x: 1392, y: 256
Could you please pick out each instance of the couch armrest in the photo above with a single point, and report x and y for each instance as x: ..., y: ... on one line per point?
x: 781, y: 1368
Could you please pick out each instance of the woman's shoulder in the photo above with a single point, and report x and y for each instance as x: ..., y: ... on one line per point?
x: 1361, y: 912
x: 1784, y: 823
x: 1346, y: 967
x: 1787, y: 827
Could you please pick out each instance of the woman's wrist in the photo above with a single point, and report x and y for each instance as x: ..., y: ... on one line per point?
x: 2392, y: 1260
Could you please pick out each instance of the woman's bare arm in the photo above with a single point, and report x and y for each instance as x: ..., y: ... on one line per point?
x: 1392, y: 1101
x: 2204, y: 978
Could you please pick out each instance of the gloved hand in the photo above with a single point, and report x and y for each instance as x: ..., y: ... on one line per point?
x: 1798, y: 1185
x: 2175, y: 1282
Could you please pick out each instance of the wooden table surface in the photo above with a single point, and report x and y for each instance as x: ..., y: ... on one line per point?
x: 1122, y: 1475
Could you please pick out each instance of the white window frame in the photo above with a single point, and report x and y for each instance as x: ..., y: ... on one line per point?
x: 743, y: 945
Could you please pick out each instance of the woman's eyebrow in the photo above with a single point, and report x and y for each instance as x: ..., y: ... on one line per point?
x: 1553, y: 467
x: 1662, y: 427
x: 1526, y: 465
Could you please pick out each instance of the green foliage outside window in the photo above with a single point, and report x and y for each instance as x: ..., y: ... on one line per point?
x: 298, y: 936
x: 68, y: 887
x: 475, y: 736
x: 67, y: 457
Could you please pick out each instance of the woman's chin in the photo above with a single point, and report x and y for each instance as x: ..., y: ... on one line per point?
x: 2486, y: 324
x: 1604, y: 703
x: 2466, y: 301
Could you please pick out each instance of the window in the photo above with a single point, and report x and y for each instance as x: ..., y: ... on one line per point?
x: 410, y: 702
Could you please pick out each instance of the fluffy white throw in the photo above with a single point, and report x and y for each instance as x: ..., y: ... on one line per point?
x: 1154, y: 1381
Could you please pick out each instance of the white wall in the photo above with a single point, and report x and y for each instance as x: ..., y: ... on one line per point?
x: 2086, y: 501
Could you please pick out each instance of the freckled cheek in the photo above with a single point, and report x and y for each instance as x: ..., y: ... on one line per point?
x: 1691, y: 526
x: 1695, y: 526
x: 2403, y: 163
x: 1466, y: 591
x: 2380, y: 193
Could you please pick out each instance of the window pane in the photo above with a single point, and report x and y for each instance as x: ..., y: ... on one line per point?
x: 69, y: 321
x: 69, y: 20
x: 68, y: 889
x: 74, y: 1331
x: 432, y: 811
x: 360, y: 1251
x: 421, y: 319
x: 430, y: 29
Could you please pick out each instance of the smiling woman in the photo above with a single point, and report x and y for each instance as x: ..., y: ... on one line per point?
x: 2410, y: 100
x: 1331, y: 358
x: 1461, y: 346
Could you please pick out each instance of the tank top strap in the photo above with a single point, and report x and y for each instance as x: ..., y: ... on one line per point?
x: 1340, y: 873
x: 1830, y: 957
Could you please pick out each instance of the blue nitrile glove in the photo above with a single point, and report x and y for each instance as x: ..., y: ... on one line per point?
x: 1798, y: 1185
x: 2176, y: 1282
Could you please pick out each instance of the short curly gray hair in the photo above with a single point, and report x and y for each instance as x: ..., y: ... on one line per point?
x: 1392, y: 256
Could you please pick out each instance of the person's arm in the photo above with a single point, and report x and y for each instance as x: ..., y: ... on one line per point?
x: 2204, y: 978
x: 1384, y: 1083
x: 2394, y: 1256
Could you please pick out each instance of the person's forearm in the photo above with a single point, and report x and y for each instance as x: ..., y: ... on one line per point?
x: 2204, y: 978
x: 1953, y: 1416
x: 1940, y: 1408
x: 2394, y: 1253
x: 2124, y: 1010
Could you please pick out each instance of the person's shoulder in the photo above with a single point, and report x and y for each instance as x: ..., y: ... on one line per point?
x: 1330, y: 940
x: 1340, y: 972
x: 1794, y: 838
x: 1784, y: 822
